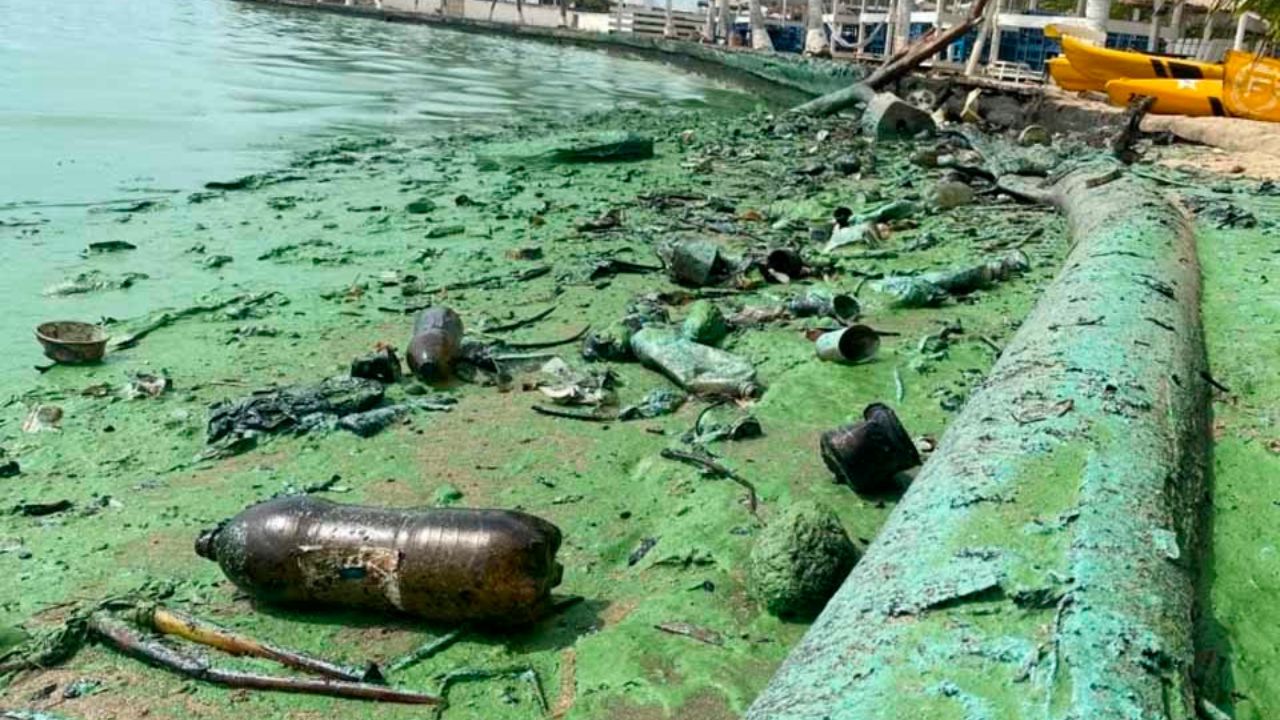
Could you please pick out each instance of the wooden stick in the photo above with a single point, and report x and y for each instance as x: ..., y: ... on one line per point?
x: 127, y: 639
x: 180, y: 624
x: 715, y: 468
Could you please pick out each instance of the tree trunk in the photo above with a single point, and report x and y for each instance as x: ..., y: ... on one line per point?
x: 725, y: 23
x: 1041, y: 566
x: 669, y: 25
x: 759, y: 35
x: 815, y: 40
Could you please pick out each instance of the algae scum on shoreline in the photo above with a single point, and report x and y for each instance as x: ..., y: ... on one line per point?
x: 323, y: 262
x: 649, y: 542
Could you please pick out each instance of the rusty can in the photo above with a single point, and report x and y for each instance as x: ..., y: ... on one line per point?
x: 437, y: 337
x: 868, y: 454
x: 442, y: 564
x: 853, y: 344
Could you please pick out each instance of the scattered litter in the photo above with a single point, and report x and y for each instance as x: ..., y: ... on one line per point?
x: 43, y: 418
x: 437, y: 338
x: 701, y: 634
x: 854, y: 344
x: 655, y: 403
x: 696, y: 368
x: 868, y: 454
x: 442, y: 564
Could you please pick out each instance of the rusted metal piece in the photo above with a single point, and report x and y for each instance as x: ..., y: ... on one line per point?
x: 443, y: 564
x: 866, y: 455
x: 851, y: 345
x: 437, y: 337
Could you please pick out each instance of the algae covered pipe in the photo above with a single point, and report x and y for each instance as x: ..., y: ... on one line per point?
x: 1042, y: 564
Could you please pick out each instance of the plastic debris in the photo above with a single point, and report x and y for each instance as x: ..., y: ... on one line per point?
x: 442, y: 564
x: 695, y: 368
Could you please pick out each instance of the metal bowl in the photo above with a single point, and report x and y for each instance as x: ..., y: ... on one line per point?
x: 68, y: 341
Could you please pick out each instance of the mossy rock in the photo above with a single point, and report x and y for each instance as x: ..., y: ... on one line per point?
x: 800, y: 560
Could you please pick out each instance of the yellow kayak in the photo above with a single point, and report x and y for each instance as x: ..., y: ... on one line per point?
x: 1070, y: 79
x: 1103, y: 64
x: 1173, y: 97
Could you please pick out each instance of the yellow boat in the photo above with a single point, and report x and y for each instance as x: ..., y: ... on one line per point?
x: 1104, y: 64
x: 1173, y: 97
x: 1070, y: 79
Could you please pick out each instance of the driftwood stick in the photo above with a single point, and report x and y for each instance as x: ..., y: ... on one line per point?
x: 180, y: 624
x: 715, y: 468
x: 129, y: 640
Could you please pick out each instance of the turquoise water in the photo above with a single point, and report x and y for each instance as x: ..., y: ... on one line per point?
x: 103, y: 97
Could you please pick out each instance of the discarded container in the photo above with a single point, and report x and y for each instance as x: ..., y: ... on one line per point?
x: 382, y: 365
x: 71, y: 342
x: 784, y: 262
x: 437, y: 337
x: 696, y: 368
x: 823, y: 303
x: 696, y: 263
x: 866, y: 455
x: 442, y: 564
x: 852, y: 344
x: 963, y: 282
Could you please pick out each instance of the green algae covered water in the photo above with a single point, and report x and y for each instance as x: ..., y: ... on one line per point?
x: 104, y: 104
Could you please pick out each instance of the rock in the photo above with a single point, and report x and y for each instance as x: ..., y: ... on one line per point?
x: 800, y: 560
x: 371, y: 422
x: 616, y: 146
x: 847, y: 164
x: 705, y: 323
x: 421, y: 206
x: 1034, y: 135
x: 612, y: 342
x: 447, y: 494
x: 948, y: 194
x: 887, y: 117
